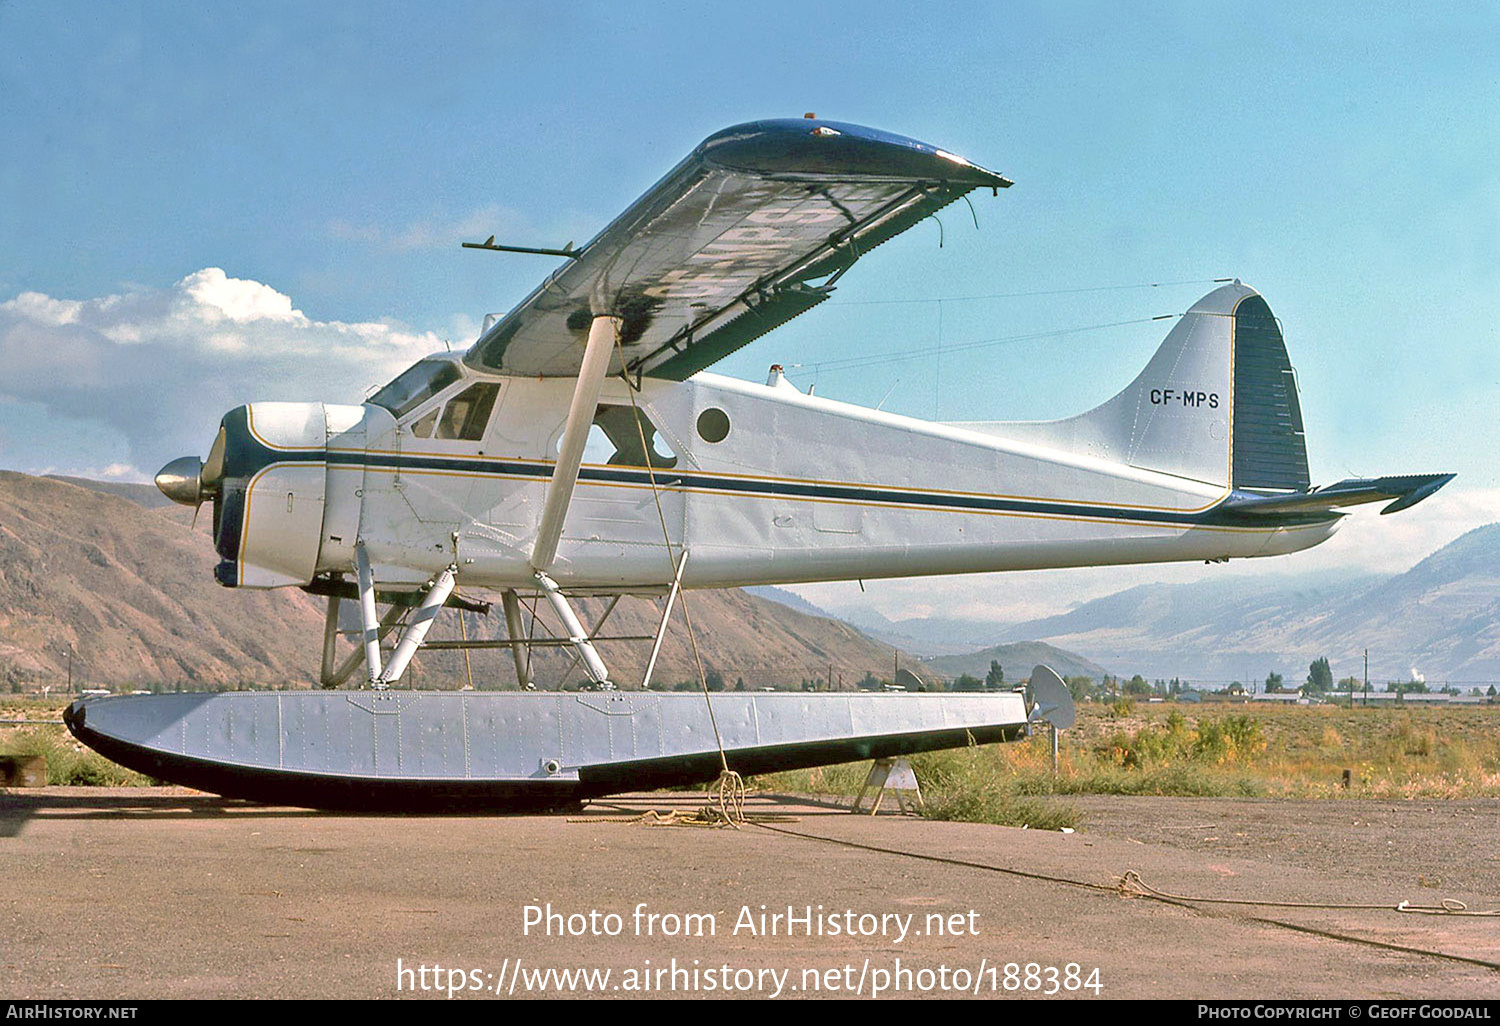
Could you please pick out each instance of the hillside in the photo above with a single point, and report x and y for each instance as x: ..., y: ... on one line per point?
x: 1016, y: 660
x: 129, y: 590
x: 1441, y: 618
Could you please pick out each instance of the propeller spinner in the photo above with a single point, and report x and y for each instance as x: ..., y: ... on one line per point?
x: 189, y: 480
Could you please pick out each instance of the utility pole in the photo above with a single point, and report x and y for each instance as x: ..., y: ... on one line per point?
x: 1367, y: 678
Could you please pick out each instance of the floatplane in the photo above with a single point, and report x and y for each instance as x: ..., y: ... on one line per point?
x: 581, y: 447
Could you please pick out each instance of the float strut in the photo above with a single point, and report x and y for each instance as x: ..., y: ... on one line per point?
x: 330, y: 642
x: 368, y: 621
x: 592, y: 664
x: 417, y: 628
x: 353, y: 659
x: 661, y: 631
x: 519, y: 647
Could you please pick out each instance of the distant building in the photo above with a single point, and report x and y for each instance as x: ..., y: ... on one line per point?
x: 1410, y: 698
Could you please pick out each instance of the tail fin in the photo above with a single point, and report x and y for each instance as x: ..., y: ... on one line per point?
x: 1216, y: 403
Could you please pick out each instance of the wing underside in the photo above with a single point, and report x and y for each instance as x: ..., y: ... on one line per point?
x: 745, y: 234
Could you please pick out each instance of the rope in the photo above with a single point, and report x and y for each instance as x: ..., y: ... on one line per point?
x: 1133, y: 886
x: 728, y: 795
x: 1180, y: 902
x: 703, y: 816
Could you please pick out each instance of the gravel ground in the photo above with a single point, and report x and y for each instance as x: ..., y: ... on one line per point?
x: 160, y: 892
x: 1416, y: 847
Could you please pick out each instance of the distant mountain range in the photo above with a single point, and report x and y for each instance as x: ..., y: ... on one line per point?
x: 1439, y: 620
x: 926, y: 636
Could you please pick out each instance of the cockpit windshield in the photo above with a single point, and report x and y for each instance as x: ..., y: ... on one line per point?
x: 417, y: 383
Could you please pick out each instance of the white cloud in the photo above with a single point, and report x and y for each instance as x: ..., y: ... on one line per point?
x: 45, y: 309
x: 211, y: 291
x: 161, y: 366
x: 122, y: 472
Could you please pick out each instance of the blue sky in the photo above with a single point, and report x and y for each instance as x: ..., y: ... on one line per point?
x: 328, y: 158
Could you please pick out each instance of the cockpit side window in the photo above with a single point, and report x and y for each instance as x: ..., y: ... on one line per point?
x: 416, y: 384
x: 422, y: 428
x: 468, y: 412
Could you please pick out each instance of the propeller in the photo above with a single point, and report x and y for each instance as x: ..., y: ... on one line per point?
x: 189, y: 480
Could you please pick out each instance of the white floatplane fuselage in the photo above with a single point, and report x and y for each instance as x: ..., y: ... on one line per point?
x: 763, y: 484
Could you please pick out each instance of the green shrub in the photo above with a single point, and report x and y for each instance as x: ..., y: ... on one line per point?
x: 69, y: 762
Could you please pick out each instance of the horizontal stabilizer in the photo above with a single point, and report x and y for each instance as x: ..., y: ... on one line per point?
x: 1406, y: 489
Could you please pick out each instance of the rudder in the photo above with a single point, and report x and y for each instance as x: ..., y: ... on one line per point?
x: 1269, y: 446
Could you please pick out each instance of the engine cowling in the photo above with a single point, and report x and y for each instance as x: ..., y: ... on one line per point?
x: 285, y: 482
x: 268, y: 515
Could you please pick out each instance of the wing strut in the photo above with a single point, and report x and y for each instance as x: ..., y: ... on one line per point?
x: 602, y: 334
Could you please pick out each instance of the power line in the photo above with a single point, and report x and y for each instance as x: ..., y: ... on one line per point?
x: 1041, y: 292
x: 831, y: 366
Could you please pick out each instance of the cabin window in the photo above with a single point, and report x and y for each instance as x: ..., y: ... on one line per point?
x: 615, y: 440
x: 468, y: 412
x: 423, y: 427
x: 713, y: 425
x: 415, y: 385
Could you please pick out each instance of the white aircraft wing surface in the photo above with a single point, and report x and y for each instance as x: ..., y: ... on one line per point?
x: 746, y: 233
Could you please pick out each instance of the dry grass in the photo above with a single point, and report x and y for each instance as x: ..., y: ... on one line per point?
x: 1204, y: 751
x: 1299, y: 751
x: 968, y: 785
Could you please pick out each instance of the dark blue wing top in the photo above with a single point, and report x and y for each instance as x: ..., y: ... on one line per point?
x: 745, y: 234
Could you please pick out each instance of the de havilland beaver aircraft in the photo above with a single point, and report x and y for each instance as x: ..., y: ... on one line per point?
x: 478, y: 469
